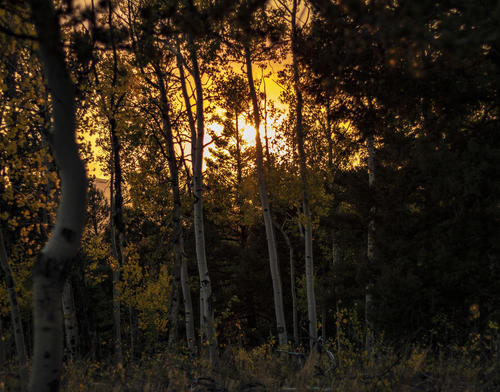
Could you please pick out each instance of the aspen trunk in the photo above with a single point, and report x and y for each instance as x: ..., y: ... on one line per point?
x: 188, y: 305
x: 266, y: 210
x: 55, y: 261
x: 370, y: 247
x: 292, y: 285
x: 70, y: 322
x: 117, y: 225
x: 15, y: 313
x: 239, y: 180
x: 206, y: 306
x: 311, y: 297
x: 178, y: 243
x: 186, y: 291
x: 117, y: 328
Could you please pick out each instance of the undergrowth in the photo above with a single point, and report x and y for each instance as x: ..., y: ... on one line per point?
x: 471, y: 366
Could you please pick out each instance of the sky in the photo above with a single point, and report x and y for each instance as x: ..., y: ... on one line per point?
x: 272, y: 89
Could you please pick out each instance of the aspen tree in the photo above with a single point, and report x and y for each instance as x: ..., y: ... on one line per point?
x: 206, y: 306
x: 266, y: 209
x: 292, y: 284
x: 180, y: 266
x: 311, y: 298
x: 56, y: 258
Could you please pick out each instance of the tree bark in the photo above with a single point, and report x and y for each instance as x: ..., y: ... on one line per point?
x: 115, y: 273
x: 292, y: 285
x: 186, y: 291
x: 188, y: 305
x: 206, y: 306
x: 15, y: 313
x: 54, y: 263
x: 178, y: 238
x: 70, y: 322
x: 309, y: 262
x: 266, y: 210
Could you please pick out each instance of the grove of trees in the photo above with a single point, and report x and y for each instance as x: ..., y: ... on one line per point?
x: 314, y: 179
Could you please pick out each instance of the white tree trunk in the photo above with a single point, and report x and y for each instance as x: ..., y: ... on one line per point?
x: 52, y: 267
x: 292, y: 285
x: 70, y: 321
x: 206, y: 306
x: 186, y: 291
x: 180, y: 266
x: 15, y: 313
x: 266, y: 211
x: 309, y: 262
x: 188, y: 305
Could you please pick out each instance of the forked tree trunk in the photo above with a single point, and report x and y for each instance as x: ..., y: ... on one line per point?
x: 56, y: 258
x: 311, y: 297
x: 266, y: 210
x: 370, y: 247
x: 15, y: 313
x: 206, y: 306
x: 70, y: 322
x: 186, y: 290
x: 178, y: 241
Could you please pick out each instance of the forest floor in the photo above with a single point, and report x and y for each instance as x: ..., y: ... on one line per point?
x: 265, y: 369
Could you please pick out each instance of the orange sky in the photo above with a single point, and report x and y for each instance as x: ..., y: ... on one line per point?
x: 273, y: 91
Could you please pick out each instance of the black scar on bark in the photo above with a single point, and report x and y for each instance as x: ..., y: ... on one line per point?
x: 68, y: 234
x: 46, y: 355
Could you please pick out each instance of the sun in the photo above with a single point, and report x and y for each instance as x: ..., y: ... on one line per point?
x: 248, y: 134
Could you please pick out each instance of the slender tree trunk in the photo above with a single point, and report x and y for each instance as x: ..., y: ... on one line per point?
x: 178, y: 242
x: 311, y: 297
x: 15, y: 313
x: 239, y: 180
x: 292, y: 285
x: 188, y: 305
x: 56, y: 258
x: 266, y: 211
x: 266, y: 139
x: 370, y: 248
x: 186, y: 291
x: 117, y: 327
x: 70, y: 322
x: 206, y: 306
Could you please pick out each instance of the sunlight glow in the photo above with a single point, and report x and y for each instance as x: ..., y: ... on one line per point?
x: 248, y: 134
